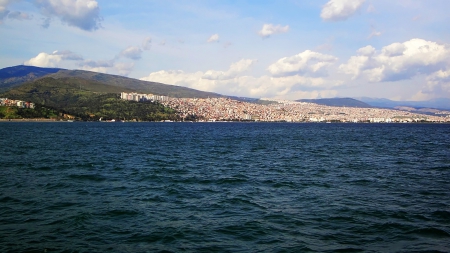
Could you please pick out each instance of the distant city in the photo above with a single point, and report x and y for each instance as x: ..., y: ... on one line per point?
x: 226, y: 109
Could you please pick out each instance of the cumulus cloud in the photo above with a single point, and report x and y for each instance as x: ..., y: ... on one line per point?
x: 236, y: 81
x: 269, y: 29
x: 52, y: 60
x: 339, y: 10
x: 84, y: 14
x: 133, y: 53
x: 404, y: 61
x: 307, y: 63
x: 366, y: 51
x: 400, y: 61
x: 67, y: 58
x: 213, y: 38
x: 234, y: 70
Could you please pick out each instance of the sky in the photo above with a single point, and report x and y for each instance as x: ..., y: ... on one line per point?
x: 280, y: 49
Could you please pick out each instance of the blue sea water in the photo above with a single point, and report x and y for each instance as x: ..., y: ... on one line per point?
x: 224, y: 187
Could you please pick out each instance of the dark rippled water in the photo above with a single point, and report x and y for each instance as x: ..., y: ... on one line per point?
x: 224, y: 187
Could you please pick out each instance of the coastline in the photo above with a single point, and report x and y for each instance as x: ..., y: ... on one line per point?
x: 29, y: 120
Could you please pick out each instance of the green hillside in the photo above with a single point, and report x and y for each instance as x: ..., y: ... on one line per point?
x: 135, y: 84
x: 39, y: 111
x: 15, y: 76
x: 87, y: 100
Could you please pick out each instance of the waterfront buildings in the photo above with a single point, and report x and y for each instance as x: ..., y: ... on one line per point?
x: 226, y: 109
x: 17, y: 103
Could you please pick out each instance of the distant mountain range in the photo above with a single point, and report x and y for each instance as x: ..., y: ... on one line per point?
x: 438, y: 103
x: 15, y: 76
x: 365, y: 102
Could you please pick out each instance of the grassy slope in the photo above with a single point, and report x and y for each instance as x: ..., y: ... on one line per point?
x: 87, y: 99
x: 137, y: 85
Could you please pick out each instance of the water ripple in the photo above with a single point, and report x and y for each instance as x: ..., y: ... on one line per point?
x: 235, y: 187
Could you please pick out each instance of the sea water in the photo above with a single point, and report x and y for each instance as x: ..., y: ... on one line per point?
x: 224, y: 187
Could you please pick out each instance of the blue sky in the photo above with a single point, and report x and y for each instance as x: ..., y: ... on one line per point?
x: 287, y: 49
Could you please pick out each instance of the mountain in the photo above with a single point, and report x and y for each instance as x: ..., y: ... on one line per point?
x: 347, y: 102
x: 438, y: 103
x: 14, y: 76
x: 87, y: 99
x: 137, y: 85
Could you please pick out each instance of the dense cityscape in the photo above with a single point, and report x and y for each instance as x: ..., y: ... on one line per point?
x: 225, y: 109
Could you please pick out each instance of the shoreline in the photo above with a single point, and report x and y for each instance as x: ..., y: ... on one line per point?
x: 29, y: 120
x: 303, y: 122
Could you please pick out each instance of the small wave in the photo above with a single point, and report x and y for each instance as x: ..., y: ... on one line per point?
x: 442, y: 215
x: 88, y: 177
x: 231, y: 180
x: 9, y: 200
x: 42, y: 168
x: 431, y: 232
x: 118, y: 212
x: 348, y: 250
x: 61, y: 206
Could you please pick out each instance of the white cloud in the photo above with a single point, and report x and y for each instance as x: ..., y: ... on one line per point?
x: 361, y: 62
x: 235, y: 82
x: 234, y: 70
x: 213, y: 38
x: 404, y: 61
x: 52, y: 60
x: 269, y: 29
x: 339, y: 10
x: 366, y: 51
x: 70, y: 60
x: 133, y: 53
x: 84, y: 14
x: 307, y: 63
x: 400, y: 61
x: 374, y: 34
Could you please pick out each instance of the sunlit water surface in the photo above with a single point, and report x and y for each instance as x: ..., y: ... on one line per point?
x: 224, y: 187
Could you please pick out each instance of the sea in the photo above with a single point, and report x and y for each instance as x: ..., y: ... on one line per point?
x: 224, y: 187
